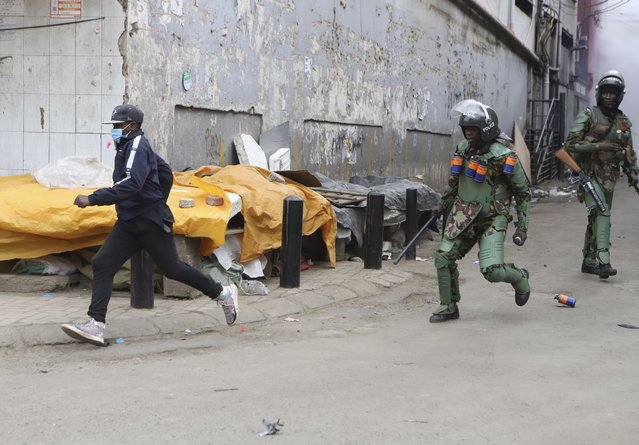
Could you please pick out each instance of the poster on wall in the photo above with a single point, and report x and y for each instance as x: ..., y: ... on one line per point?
x: 11, y: 7
x: 7, y: 28
x: 66, y: 8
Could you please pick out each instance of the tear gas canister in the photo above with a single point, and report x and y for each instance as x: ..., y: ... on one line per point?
x: 456, y: 164
x: 480, y: 174
x: 472, y: 168
x: 565, y: 299
x: 509, y: 164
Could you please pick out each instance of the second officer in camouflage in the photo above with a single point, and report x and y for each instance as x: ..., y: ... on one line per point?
x: 601, y: 141
x: 485, y: 176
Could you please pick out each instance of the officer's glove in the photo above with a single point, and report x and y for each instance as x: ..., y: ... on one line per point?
x: 519, y: 237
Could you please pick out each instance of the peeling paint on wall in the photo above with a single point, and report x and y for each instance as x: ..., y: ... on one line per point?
x: 336, y: 71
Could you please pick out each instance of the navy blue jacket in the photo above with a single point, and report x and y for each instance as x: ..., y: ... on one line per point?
x: 142, y: 182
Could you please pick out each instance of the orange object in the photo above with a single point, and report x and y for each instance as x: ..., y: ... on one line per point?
x: 472, y: 168
x: 565, y: 299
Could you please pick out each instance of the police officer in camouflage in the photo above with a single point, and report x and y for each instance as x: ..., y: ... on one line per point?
x: 485, y: 176
x: 601, y: 142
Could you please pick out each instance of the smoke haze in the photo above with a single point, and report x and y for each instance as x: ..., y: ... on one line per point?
x: 616, y: 42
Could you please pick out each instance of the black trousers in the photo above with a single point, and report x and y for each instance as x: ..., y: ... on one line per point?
x: 129, y: 237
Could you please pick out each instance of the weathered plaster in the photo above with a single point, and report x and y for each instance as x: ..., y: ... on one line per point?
x: 333, y: 69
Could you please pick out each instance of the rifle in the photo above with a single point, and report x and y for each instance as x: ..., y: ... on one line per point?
x: 626, y: 170
x: 582, y: 178
x: 411, y: 242
x: 622, y: 134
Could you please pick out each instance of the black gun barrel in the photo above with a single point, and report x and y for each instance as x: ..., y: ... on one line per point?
x: 586, y: 183
x: 411, y: 242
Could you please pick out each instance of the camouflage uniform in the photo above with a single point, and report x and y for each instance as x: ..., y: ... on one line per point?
x: 590, y: 128
x: 480, y: 213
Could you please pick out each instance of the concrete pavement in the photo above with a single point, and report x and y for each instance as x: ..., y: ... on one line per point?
x: 552, y: 255
x: 31, y: 319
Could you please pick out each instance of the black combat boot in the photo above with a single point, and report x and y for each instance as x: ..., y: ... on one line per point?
x: 606, y: 270
x: 521, y: 299
x: 585, y: 268
x: 437, y: 318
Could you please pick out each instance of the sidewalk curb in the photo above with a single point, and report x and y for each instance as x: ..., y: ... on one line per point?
x: 320, y: 289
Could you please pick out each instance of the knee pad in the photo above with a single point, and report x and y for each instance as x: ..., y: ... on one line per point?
x: 494, y: 273
x: 442, y: 261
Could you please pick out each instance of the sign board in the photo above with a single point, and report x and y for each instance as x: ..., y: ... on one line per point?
x: 580, y: 89
x: 186, y: 80
x: 10, y: 25
x: 66, y: 8
x: 11, y: 7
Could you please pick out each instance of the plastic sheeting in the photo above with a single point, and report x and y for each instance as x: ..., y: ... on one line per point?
x: 353, y: 217
x: 36, y: 221
x: 262, y: 207
x: 230, y: 251
x: 74, y: 172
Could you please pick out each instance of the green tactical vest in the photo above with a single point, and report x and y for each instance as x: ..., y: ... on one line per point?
x: 488, y: 191
x: 602, y: 130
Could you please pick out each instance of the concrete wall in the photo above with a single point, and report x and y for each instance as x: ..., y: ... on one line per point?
x: 351, y: 78
x: 57, y: 83
x: 514, y: 19
x: 366, y: 87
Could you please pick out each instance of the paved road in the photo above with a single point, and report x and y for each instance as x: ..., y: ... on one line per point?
x: 370, y: 370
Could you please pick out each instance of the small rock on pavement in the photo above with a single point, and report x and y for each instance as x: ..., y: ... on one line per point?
x: 214, y: 200
x: 186, y: 203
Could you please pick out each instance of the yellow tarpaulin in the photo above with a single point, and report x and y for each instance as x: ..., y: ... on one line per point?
x: 37, y: 221
x: 262, y: 206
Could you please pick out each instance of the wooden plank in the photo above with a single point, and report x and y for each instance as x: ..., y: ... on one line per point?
x: 522, y: 151
x: 339, y: 198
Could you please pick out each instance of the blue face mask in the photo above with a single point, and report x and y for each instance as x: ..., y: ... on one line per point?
x: 116, y: 134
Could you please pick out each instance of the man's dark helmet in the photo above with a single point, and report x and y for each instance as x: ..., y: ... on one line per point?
x: 126, y: 113
x: 614, y: 79
x: 476, y: 114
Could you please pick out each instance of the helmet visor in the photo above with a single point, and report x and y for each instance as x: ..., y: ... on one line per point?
x: 471, y: 109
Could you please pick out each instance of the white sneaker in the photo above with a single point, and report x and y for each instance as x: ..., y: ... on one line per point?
x: 92, y: 331
x: 229, y: 302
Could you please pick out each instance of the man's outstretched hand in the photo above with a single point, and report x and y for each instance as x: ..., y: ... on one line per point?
x: 82, y: 201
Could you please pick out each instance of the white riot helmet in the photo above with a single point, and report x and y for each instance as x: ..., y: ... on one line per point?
x: 614, y: 79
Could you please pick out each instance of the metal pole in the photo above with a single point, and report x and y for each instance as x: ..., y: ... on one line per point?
x: 141, y: 280
x: 561, y: 130
x: 291, y: 242
x: 417, y: 235
x: 411, y: 222
x: 374, y: 235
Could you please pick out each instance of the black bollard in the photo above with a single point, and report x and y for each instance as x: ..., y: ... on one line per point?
x: 410, y: 229
x: 291, y: 242
x: 374, y: 235
x: 141, y: 280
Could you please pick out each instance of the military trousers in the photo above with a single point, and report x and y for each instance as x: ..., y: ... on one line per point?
x: 490, y: 234
x: 596, y: 250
